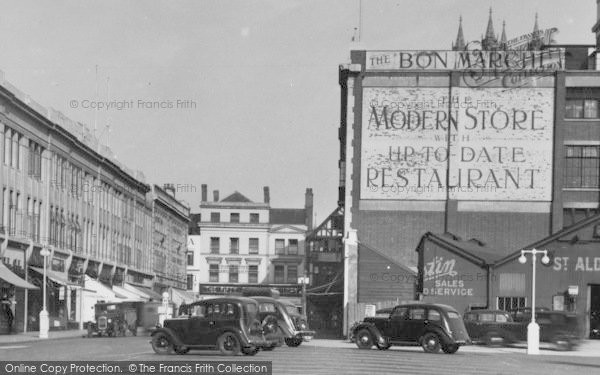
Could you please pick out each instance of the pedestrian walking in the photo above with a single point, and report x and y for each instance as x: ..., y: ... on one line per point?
x: 7, y: 310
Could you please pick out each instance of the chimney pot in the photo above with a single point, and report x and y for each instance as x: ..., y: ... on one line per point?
x: 204, y: 193
x: 266, y: 194
x: 216, y: 195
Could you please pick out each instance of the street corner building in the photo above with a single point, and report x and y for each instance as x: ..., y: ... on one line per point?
x: 73, y: 216
x: 235, y: 243
x: 467, y: 156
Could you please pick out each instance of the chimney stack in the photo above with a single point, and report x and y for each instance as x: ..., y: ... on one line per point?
x: 308, y: 208
x: 266, y: 193
x: 204, y: 193
x: 216, y: 195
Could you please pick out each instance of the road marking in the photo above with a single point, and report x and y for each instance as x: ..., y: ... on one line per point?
x: 14, y: 347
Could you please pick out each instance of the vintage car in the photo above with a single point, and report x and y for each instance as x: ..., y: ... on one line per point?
x: 228, y: 324
x: 432, y: 326
x: 113, y: 319
x: 497, y: 327
x: 280, y: 324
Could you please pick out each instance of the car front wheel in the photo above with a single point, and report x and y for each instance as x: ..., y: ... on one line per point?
x: 364, y: 339
x: 450, y: 349
x: 228, y: 344
x: 293, y: 342
x: 431, y: 343
x: 161, y: 344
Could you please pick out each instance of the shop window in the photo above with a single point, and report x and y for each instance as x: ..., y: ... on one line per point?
x: 510, y: 303
x: 582, y: 166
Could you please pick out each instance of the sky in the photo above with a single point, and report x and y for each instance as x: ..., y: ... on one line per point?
x: 235, y: 94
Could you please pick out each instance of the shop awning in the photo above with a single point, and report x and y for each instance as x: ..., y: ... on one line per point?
x: 103, y: 292
x: 57, y: 277
x: 143, y: 291
x: 131, y: 296
x: 8, y: 276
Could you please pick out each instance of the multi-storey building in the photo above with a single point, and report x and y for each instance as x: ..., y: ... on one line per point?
x: 243, y: 243
x: 171, y: 220
x: 64, y: 192
x: 495, y: 141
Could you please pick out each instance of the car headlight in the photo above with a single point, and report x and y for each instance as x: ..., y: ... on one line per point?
x: 110, y: 320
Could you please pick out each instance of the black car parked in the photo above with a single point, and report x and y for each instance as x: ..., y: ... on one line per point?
x: 497, y: 327
x: 229, y: 324
x: 281, y: 322
x: 432, y: 326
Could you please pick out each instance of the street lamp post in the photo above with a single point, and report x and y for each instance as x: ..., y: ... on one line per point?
x: 533, y: 329
x: 44, y: 321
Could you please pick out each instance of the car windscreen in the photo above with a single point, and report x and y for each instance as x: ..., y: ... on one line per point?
x: 453, y: 315
x: 267, y: 307
x: 292, y: 309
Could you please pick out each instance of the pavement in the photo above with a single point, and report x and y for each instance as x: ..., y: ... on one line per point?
x: 587, y: 348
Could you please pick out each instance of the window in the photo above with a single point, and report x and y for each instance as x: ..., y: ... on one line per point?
x: 292, y: 274
x: 254, y: 218
x: 582, y: 167
x: 234, y: 217
x: 581, y: 108
x: 214, y: 245
x: 417, y: 313
x: 253, y: 274
x: 399, y: 312
x: 190, y: 282
x: 293, y: 247
x: 190, y: 258
x: 279, y: 274
x: 486, y: 317
x: 215, y: 217
x: 234, y: 245
x: 233, y: 273
x: 510, y: 303
x: 213, y: 273
x: 253, y: 246
x: 280, y: 247
x: 434, y: 315
x: 198, y: 310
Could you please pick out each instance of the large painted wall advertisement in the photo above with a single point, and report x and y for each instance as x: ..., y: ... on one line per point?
x: 463, y: 143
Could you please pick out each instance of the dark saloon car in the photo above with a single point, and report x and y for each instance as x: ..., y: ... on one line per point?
x: 282, y: 321
x: 432, y: 326
x: 497, y: 327
x: 229, y: 324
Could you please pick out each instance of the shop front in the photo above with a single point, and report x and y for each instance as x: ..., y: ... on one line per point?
x: 570, y: 282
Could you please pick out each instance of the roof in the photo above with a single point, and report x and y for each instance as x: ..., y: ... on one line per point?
x: 236, y: 197
x: 386, y: 257
x: 592, y: 220
x: 287, y: 216
x: 473, y: 249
